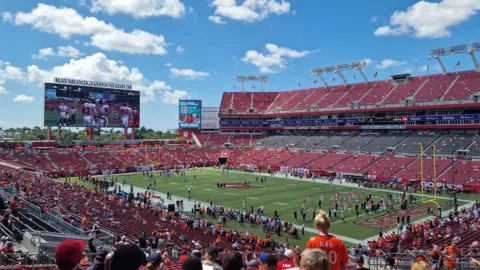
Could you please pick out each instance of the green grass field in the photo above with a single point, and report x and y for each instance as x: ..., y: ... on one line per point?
x: 283, y: 195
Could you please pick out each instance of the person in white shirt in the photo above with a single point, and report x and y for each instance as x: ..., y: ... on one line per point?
x: 104, y: 113
x: 125, y: 114
x: 63, y: 113
x: 89, y: 111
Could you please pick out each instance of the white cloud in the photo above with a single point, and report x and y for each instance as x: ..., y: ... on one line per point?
x: 66, y: 22
x: 141, y: 8
x: 249, y: 10
x: 7, y: 17
x: 188, y: 74
x: 9, y: 73
x: 3, y: 91
x: 135, y: 42
x: 390, y: 63
x: 98, y: 67
x: 368, y: 61
x: 68, y: 51
x: 217, y: 19
x: 172, y: 97
x: 23, y: 99
x: 44, y: 53
x: 429, y: 19
x: 274, y: 60
x: 180, y: 49
x: 168, y: 64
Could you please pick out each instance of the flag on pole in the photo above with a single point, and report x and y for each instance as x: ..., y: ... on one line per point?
x: 354, y: 77
x: 333, y: 79
x: 234, y: 87
x: 298, y: 84
x: 253, y: 86
x: 375, y: 75
x: 457, y: 65
x: 315, y: 81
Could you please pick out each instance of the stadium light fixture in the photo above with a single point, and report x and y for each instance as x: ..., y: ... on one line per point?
x: 339, y: 70
x: 469, y: 48
x: 258, y: 78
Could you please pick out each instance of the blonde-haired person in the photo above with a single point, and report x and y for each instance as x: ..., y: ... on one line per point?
x: 155, y: 262
x: 334, y: 248
x: 314, y: 259
x: 420, y: 265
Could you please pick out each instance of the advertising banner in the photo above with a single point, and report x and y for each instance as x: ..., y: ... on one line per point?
x: 210, y: 118
x: 189, y: 114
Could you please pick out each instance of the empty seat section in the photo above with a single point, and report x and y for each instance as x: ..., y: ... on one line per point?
x: 353, y: 164
x: 303, y: 159
x: 295, y: 100
x: 382, y: 142
x: 411, y: 145
x: 403, y: 91
x: 355, y: 143
x: 449, y: 144
x: 226, y: 101
x: 240, y: 140
x: 435, y: 87
x: 217, y: 139
x: 413, y: 171
x: 269, y: 141
x: 334, y: 94
x: 387, y: 166
x: 282, y: 158
x: 355, y: 94
x: 467, y: 84
x: 310, y: 142
x: 281, y: 99
x: 377, y: 94
x: 327, y: 161
x: 262, y: 100
x: 242, y: 102
x: 314, y: 98
x: 463, y: 172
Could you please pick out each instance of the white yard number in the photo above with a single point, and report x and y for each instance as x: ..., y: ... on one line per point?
x: 332, y: 257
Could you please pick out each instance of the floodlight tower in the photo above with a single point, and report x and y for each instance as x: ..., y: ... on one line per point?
x: 338, y: 69
x: 259, y: 78
x: 469, y: 48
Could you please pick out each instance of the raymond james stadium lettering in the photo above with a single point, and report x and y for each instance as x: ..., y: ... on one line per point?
x: 92, y: 83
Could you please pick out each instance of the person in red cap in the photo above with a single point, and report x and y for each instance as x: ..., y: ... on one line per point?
x: 68, y: 254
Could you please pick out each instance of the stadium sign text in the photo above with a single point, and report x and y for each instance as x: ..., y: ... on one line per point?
x: 93, y: 83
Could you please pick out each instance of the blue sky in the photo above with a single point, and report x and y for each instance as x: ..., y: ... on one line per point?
x: 170, y: 49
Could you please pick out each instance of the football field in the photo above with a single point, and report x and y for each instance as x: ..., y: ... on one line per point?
x: 285, y: 196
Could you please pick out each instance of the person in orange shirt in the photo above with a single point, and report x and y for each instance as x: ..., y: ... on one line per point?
x: 335, y: 248
x: 451, y: 255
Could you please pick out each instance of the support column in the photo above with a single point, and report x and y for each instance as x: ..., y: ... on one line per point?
x: 323, y: 80
x: 441, y: 64
x: 59, y: 132
x: 474, y: 59
x: 341, y: 76
x: 90, y: 133
x: 125, y: 134
x: 363, y: 75
x: 49, y: 133
x: 132, y: 134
